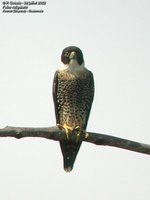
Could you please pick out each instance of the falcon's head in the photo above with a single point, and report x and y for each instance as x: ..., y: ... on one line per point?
x: 72, y: 53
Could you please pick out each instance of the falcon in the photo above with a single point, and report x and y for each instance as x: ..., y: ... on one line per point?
x: 73, y: 92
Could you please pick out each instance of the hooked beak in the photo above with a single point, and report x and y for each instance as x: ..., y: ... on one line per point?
x: 73, y: 55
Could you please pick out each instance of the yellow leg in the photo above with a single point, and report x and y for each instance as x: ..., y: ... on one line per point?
x: 68, y: 129
x: 78, y: 129
x: 80, y: 133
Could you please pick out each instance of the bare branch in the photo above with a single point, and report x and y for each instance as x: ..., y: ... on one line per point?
x: 53, y: 133
x: 56, y: 134
x: 101, y: 139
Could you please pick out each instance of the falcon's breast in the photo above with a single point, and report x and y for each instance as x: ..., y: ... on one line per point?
x: 74, y: 96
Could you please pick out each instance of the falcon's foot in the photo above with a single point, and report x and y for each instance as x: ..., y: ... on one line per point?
x: 80, y: 133
x: 68, y: 129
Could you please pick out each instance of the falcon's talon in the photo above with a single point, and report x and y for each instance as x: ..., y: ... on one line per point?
x: 78, y: 137
x: 68, y: 129
x: 77, y: 128
x: 60, y: 126
x: 80, y: 133
x: 86, y: 135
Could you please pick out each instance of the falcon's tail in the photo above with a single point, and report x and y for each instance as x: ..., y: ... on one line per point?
x: 69, y: 150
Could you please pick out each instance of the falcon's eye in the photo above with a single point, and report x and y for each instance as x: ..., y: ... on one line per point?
x: 67, y: 54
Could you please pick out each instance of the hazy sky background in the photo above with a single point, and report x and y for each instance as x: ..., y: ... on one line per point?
x: 115, y: 39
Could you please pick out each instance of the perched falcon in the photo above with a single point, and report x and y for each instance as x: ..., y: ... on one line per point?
x: 73, y: 92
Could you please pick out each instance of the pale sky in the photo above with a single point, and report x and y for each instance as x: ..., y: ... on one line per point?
x: 115, y: 39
